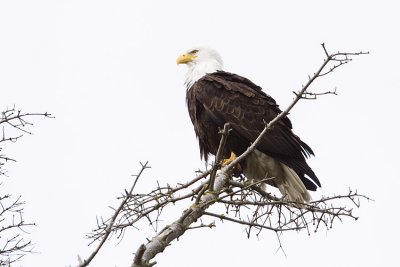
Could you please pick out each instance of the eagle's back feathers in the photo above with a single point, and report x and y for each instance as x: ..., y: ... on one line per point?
x: 221, y: 97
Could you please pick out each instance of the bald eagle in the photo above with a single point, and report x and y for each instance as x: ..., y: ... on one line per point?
x: 215, y: 97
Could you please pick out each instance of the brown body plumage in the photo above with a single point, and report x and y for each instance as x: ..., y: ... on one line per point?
x: 222, y: 97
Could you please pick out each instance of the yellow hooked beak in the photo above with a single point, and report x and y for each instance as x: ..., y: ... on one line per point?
x: 185, y: 58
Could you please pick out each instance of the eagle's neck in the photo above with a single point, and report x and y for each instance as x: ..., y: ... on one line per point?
x: 198, y: 69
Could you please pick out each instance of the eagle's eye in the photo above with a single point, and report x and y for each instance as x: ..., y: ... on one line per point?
x: 193, y: 52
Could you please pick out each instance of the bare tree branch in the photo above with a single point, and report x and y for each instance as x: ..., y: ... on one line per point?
x: 178, y: 228
x: 13, y: 245
x: 17, y: 119
x: 14, y: 121
x: 13, y: 227
x: 218, y: 157
x: 108, y: 229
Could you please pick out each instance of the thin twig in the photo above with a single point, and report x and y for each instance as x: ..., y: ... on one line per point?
x: 113, y: 218
x: 252, y: 224
x: 218, y: 157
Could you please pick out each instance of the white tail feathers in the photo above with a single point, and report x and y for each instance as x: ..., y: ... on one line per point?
x: 292, y: 188
x: 259, y: 166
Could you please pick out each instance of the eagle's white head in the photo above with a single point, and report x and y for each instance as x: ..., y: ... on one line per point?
x: 200, y: 61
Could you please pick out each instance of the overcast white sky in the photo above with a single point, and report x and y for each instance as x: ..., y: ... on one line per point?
x: 106, y: 70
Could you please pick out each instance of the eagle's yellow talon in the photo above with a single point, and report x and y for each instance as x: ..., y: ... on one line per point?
x: 225, y: 162
x: 228, y: 161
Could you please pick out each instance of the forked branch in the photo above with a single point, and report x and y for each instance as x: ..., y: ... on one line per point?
x: 110, y: 225
x: 13, y: 124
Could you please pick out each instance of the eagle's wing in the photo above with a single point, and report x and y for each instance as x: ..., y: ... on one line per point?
x: 231, y: 98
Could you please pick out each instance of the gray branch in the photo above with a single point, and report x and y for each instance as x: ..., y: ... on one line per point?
x: 173, y: 231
